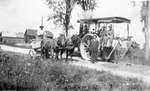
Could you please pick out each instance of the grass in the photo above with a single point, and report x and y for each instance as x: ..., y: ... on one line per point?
x: 136, y: 56
x: 20, y: 73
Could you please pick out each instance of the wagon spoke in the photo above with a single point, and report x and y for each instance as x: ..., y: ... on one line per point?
x: 86, y: 45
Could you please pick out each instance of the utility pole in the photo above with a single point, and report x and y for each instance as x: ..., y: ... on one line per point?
x: 41, y: 27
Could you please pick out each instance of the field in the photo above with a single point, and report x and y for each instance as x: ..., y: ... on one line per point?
x: 22, y: 73
x: 135, y: 56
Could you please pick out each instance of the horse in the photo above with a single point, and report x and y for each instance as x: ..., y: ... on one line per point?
x: 60, y: 48
x: 47, y: 47
x: 76, y: 41
x: 69, y: 48
x: 66, y: 45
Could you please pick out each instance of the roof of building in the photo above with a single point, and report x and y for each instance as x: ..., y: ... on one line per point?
x: 31, y: 32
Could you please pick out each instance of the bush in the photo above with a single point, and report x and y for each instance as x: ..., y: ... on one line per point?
x: 14, y: 74
x: 46, y: 75
x: 135, y: 56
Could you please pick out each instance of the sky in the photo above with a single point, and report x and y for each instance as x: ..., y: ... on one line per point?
x: 18, y: 15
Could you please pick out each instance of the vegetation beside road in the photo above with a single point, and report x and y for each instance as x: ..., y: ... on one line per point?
x: 19, y: 73
x: 135, y: 56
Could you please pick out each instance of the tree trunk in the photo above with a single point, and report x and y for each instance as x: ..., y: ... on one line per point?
x: 147, y: 31
x: 67, y: 16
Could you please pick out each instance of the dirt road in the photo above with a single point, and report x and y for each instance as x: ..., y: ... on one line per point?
x: 124, y: 70
x: 15, y: 49
x: 121, y: 69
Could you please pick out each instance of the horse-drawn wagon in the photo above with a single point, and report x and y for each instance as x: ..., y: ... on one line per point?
x: 97, y: 39
x: 36, y: 44
x: 100, y: 41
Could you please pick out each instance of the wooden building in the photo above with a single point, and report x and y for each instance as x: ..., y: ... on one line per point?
x: 30, y: 34
x: 1, y: 39
x: 12, y: 40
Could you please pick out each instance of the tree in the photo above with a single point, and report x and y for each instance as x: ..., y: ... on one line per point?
x: 62, y: 10
x: 146, y: 20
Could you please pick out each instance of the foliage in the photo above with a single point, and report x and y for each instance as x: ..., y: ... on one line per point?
x: 135, y: 56
x: 47, y: 75
x: 62, y: 10
x: 132, y: 49
x: 144, y: 19
x: 144, y: 9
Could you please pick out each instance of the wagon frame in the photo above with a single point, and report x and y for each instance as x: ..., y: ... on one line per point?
x: 84, y: 34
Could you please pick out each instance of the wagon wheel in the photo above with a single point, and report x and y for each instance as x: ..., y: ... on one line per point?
x: 123, y: 48
x: 32, y: 53
x: 85, y: 46
x: 108, y: 53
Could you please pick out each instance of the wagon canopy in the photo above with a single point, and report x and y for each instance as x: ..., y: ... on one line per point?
x: 105, y: 20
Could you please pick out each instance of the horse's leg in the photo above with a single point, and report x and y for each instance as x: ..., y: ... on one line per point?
x: 57, y: 53
x: 43, y: 53
x: 78, y: 49
x: 67, y: 53
x: 51, y: 53
x: 47, y: 53
x: 71, y: 54
x: 71, y: 57
x: 61, y: 53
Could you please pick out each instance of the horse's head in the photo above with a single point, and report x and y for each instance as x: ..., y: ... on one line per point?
x: 69, y: 42
x: 75, y: 40
x: 61, y: 40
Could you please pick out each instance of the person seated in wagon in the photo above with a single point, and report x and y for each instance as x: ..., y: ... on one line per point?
x: 110, y: 35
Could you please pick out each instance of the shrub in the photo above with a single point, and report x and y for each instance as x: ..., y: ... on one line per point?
x: 47, y: 75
